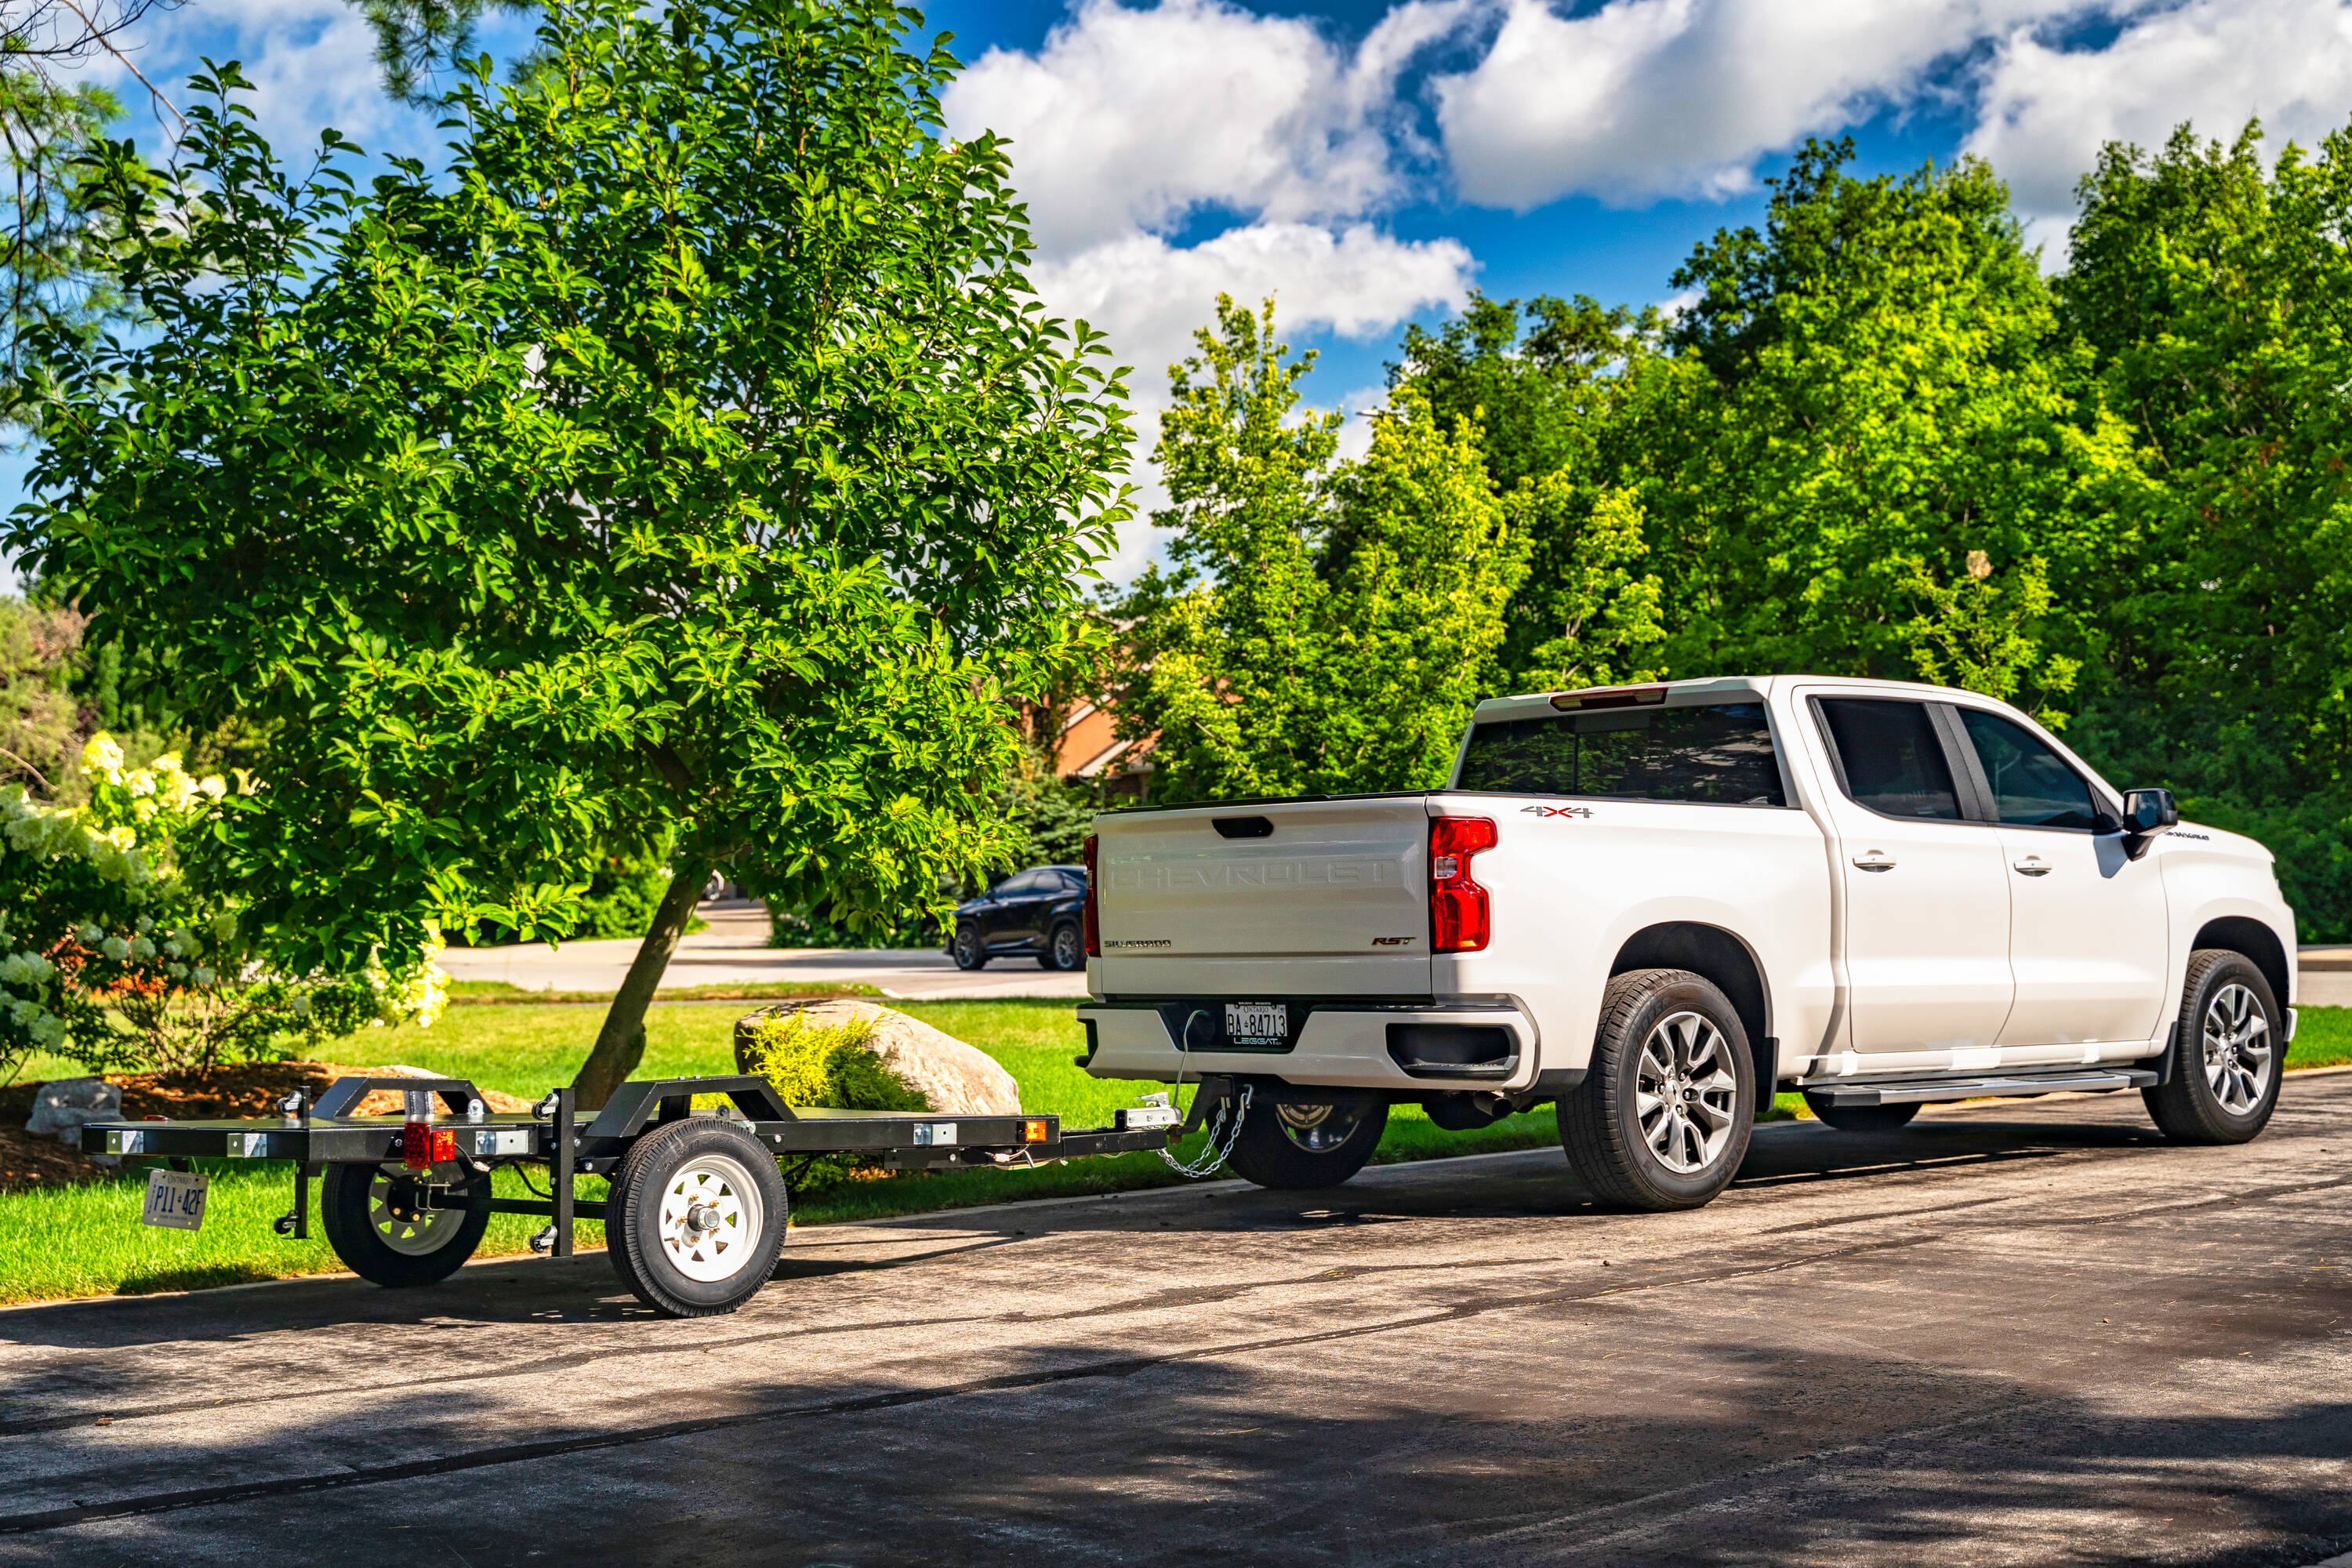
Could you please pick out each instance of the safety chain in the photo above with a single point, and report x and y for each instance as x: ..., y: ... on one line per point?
x: 1214, y: 1155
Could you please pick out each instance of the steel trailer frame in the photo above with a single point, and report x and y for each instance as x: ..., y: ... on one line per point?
x: 473, y: 1141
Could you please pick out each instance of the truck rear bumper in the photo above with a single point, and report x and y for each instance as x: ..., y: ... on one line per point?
x: 1408, y: 1048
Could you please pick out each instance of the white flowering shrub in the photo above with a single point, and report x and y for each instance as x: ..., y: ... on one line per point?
x: 106, y: 957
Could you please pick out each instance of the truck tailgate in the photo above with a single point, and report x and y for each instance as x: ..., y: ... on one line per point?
x: 1299, y: 898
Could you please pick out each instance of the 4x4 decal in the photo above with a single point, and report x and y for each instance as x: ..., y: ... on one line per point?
x: 1557, y: 810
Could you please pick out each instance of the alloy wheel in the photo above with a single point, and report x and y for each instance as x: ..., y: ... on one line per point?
x: 2238, y: 1055
x: 1314, y: 1128
x: 1684, y: 1093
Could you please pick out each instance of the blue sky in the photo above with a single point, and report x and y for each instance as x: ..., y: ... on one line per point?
x: 1370, y: 163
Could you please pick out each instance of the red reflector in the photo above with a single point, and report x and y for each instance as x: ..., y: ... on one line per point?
x: 1092, y: 918
x: 1458, y: 919
x: 422, y: 1144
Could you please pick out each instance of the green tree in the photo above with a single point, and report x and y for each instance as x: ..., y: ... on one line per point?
x: 2213, y: 296
x: 690, y: 457
x: 1874, y: 395
x: 1323, y: 627
x: 1551, y: 385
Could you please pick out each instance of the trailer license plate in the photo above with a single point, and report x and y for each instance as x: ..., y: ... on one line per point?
x: 1258, y: 1023
x: 175, y: 1198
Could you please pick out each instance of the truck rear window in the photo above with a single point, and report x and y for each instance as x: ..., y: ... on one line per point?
x: 1720, y: 754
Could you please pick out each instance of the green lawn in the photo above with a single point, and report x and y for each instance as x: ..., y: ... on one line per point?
x: 84, y: 1241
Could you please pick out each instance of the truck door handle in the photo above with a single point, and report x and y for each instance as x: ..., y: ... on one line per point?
x: 1875, y: 860
x: 2033, y: 866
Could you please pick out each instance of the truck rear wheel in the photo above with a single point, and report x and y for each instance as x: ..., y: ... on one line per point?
x: 377, y: 1223
x: 1861, y: 1118
x: 695, y: 1217
x: 2226, y: 1054
x: 1660, y: 1120
x: 1293, y: 1148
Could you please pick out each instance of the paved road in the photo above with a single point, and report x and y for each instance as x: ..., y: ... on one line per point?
x: 2019, y: 1334
x: 735, y: 951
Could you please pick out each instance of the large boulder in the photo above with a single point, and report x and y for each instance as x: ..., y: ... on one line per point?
x: 865, y: 1057
x: 60, y: 1107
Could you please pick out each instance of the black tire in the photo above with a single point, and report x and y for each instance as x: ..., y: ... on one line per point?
x: 1691, y: 1146
x: 2228, y: 1054
x: 702, y: 1164
x: 1065, y: 950
x: 402, y: 1247
x: 1862, y: 1118
x: 1296, y: 1148
x: 969, y: 950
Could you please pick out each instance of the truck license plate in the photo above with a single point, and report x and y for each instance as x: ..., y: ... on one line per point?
x: 175, y: 1198
x: 1258, y: 1023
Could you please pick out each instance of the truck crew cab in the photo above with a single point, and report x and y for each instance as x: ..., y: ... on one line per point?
x: 1649, y: 904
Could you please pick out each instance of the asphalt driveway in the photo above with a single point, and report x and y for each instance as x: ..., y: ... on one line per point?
x: 2022, y: 1333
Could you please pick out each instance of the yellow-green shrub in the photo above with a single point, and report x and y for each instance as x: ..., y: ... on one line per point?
x: 825, y: 1064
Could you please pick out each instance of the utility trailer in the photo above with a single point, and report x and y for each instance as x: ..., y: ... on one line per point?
x: 695, y: 1211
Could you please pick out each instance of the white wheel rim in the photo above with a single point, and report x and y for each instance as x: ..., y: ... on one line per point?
x: 1684, y: 1093
x: 430, y: 1231
x: 712, y: 1218
x: 2237, y: 1049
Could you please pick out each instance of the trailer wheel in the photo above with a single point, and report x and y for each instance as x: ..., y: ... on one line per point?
x: 1660, y: 1120
x: 1861, y: 1118
x: 696, y: 1218
x: 374, y: 1224
x: 1292, y: 1148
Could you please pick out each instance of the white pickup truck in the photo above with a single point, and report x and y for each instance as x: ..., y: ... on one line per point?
x: 1652, y: 904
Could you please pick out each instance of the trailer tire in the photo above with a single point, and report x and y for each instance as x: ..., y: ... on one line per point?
x: 2228, y: 1051
x: 385, y: 1240
x: 1675, y: 1033
x: 1861, y: 1118
x: 1291, y: 1148
x: 695, y: 1217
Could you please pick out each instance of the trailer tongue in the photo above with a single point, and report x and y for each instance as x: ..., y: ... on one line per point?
x: 696, y: 1213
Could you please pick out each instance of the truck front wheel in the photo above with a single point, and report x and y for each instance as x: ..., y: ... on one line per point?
x: 2223, y: 1081
x: 1660, y: 1120
x: 1295, y: 1147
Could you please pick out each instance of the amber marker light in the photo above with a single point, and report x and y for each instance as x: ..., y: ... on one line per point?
x: 1033, y: 1131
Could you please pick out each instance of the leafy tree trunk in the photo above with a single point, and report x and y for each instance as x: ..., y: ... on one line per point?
x: 621, y: 1044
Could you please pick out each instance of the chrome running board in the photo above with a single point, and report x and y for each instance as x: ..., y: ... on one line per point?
x: 1910, y: 1091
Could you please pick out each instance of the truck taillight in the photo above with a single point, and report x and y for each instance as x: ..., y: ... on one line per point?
x: 1458, y: 921
x: 1092, y: 919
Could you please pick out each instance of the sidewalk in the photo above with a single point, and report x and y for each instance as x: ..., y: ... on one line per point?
x: 735, y: 951
x: 2324, y: 977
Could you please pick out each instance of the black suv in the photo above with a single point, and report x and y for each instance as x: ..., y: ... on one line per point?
x: 1039, y: 912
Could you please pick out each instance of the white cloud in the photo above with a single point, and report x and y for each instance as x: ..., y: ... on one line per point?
x: 1650, y: 98
x: 1129, y: 123
x: 2045, y: 111
x: 1128, y: 120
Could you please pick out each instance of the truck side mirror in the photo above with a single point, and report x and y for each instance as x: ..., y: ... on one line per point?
x: 2147, y: 813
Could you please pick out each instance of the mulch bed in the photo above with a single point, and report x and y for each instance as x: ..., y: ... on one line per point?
x: 246, y: 1089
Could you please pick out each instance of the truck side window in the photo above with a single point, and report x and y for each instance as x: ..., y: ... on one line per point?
x: 2031, y: 786
x: 1716, y: 754
x: 1894, y: 763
